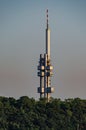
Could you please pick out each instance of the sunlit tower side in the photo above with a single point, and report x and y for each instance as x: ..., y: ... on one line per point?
x: 45, y: 68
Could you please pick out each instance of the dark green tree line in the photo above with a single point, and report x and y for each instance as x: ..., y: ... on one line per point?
x: 28, y: 114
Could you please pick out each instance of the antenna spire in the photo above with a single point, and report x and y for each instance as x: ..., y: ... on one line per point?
x: 47, y: 17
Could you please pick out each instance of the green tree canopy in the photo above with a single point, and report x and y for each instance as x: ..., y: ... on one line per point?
x: 28, y: 114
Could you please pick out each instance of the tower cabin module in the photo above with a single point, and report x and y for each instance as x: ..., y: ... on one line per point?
x: 45, y: 68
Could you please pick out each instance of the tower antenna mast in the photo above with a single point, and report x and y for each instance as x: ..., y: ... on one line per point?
x: 45, y: 68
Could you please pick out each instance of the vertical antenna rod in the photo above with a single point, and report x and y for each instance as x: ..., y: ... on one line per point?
x: 47, y: 36
x: 47, y: 17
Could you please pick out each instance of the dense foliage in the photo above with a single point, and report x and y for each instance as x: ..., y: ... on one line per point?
x: 28, y: 114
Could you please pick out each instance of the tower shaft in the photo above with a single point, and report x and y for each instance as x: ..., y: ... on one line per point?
x: 48, y: 42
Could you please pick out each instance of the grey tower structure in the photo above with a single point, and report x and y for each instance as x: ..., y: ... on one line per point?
x: 45, y: 68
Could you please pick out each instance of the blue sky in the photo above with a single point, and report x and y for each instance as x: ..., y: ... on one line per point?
x: 22, y: 40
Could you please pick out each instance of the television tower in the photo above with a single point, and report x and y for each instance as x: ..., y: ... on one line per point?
x: 45, y: 68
